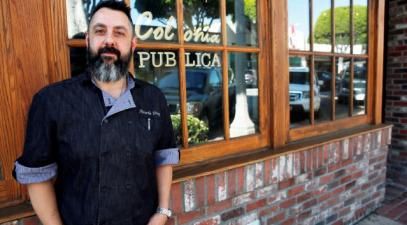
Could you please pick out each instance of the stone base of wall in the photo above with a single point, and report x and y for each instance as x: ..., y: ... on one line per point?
x: 335, y: 183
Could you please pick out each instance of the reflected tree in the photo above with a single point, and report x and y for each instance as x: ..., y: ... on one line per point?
x: 342, y: 27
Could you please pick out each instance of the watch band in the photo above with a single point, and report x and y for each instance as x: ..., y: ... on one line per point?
x: 164, y: 211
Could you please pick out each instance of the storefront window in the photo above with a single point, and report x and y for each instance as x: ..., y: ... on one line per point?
x: 243, y: 94
x: 322, y: 26
x: 342, y: 26
x: 202, y: 24
x: 343, y: 79
x: 323, y: 90
x: 241, y: 21
x: 299, y: 91
x: 78, y: 12
x: 336, y: 63
x: 298, y: 25
x: 155, y: 20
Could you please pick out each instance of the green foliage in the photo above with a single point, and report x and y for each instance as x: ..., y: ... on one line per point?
x: 250, y: 9
x: 197, y: 129
x: 342, y: 27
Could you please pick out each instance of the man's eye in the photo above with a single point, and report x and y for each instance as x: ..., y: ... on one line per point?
x: 99, y: 31
x: 119, y: 33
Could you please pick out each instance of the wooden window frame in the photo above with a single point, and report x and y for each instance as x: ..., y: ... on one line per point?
x: 374, y: 73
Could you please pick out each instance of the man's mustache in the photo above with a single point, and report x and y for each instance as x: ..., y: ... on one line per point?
x: 109, y: 50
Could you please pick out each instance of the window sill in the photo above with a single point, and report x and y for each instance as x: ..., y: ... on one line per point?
x: 16, y: 212
x: 182, y: 173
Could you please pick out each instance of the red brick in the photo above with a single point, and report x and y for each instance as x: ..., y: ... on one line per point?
x: 287, y: 203
x: 211, y: 221
x: 219, y: 206
x: 276, y: 219
x: 286, y: 184
x: 231, y: 183
x: 240, y: 180
x: 210, y: 189
x: 176, y: 198
x: 189, y: 216
x: 310, y: 203
x: 200, y: 191
x: 326, y: 179
x: 170, y: 221
x: 289, y: 221
x: 304, y: 197
x: 267, y: 172
x: 256, y: 205
x: 268, y: 211
x: 295, y: 191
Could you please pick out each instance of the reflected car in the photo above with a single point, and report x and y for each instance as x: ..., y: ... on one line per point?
x: 359, y: 85
x: 300, y: 90
x: 250, y: 77
x: 204, y: 94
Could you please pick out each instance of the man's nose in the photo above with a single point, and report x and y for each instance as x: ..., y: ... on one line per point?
x: 109, y: 40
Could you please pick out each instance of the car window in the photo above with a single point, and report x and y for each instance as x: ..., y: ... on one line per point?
x: 298, y: 78
x: 214, y: 79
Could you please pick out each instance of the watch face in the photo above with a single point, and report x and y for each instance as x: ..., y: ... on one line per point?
x: 164, y: 211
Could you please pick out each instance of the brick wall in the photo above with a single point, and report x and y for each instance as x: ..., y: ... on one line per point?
x: 396, y: 91
x: 334, y: 183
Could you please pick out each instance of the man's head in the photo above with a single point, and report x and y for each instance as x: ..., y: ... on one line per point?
x: 110, y: 40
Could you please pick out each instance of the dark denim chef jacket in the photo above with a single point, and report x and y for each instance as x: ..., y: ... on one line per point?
x: 102, y: 151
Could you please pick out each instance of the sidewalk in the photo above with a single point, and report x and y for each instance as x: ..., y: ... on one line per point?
x: 393, y: 211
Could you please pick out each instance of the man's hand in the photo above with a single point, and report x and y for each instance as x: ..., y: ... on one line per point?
x: 158, y: 219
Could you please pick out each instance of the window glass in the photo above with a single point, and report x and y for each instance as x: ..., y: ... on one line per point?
x: 298, y: 22
x: 155, y: 20
x: 202, y: 24
x: 322, y: 26
x: 78, y: 60
x: 243, y: 94
x: 204, y: 96
x: 160, y: 68
x: 360, y: 21
x: 299, y: 91
x: 359, y: 86
x: 323, y: 89
x: 342, y: 26
x: 342, y: 83
x: 241, y: 22
x: 78, y: 12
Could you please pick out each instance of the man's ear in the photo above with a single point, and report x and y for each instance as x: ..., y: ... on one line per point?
x: 133, y: 43
x: 87, y: 39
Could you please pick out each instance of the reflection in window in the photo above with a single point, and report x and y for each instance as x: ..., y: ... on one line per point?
x: 342, y: 26
x: 241, y: 22
x: 202, y: 22
x: 298, y: 22
x: 360, y: 11
x: 155, y: 20
x: 78, y: 12
x: 342, y: 82
x: 359, y: 86
x: 160, y: 68
x: 78, y: 60
x: 323, y: 71
x: 243, y: 94
x: 204, y: 96
x: 322, y: 26
x: 299, y: 91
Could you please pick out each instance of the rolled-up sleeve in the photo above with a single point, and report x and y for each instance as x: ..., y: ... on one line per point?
x: 37, y: 163
x: 168, y: 156
x: 28, y: 175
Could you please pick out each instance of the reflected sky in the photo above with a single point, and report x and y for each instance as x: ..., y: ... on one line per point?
x: 297, y: 16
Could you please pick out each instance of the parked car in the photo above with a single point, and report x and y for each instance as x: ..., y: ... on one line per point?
x: 300, y: 90
x: 359, y: 85
x: 204, y: 94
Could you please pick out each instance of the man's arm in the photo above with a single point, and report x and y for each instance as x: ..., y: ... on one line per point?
x: 43, y: 200
x: 164, y: 180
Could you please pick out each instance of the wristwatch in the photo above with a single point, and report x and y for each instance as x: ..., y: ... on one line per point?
x: 164, y: 211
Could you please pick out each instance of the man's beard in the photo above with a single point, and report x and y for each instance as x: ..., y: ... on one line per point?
x: 108, y: 72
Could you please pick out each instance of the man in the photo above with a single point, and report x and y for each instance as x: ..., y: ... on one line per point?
x: 99, y: 147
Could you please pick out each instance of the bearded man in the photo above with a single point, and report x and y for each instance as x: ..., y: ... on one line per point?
x: 99, y: 147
